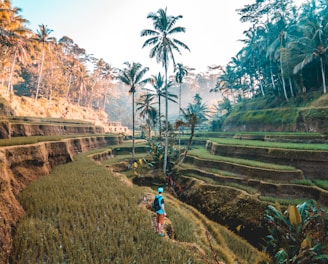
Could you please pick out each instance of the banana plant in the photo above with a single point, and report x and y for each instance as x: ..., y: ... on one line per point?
x: 297, y: 235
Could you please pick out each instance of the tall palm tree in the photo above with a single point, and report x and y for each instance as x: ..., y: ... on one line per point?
x: 160, y: 91
x: 13, y: 37
x: 163, y: 45
x: 180, y: 73
x: 132, y: 76
x: 43, y: 37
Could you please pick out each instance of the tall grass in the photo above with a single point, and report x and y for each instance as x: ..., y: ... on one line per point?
x: 82, y: 214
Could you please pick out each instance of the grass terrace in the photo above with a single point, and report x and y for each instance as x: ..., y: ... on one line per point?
x: 15, y: 141
x: 82, y: 213
x: 204, y: 154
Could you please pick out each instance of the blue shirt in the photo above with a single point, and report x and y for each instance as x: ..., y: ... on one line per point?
x: 161, y: 201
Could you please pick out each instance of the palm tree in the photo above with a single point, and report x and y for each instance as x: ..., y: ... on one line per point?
x: 180, y: 73
x: 160, y: 91
x: 193, y: 115
x: 313, y: 45
x: 13, y: 37
x: 132, y: 76
x: 146, y: 109
x: 42, y: 36
x: 163, y: 46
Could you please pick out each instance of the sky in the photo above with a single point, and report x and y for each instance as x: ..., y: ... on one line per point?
x: 110, y: 29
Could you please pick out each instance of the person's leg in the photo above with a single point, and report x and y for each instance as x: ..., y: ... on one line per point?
x: 160, y: 224
x: 157, y: 225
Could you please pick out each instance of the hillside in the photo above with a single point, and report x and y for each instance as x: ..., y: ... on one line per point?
x: 307, y: 115
x: 12, y: 105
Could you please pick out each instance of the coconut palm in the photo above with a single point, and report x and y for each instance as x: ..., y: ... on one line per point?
x: 147, y: 111
x: 160, y: 91
x: 13, y: 37
x: 180, y: 73
x: 132, y: 76
x: 193, y: 115
x: 313, y: 45
x: 163, y: 46
x: 43, y: 37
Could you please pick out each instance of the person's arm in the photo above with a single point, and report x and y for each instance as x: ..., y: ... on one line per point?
x: 163, y: 207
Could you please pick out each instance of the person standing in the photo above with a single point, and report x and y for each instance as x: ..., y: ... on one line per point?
x: 160, y: 214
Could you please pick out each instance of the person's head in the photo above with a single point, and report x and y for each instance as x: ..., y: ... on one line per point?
x: 160, y: 190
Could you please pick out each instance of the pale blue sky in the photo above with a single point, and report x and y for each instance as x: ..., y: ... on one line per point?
x: 110, y: 29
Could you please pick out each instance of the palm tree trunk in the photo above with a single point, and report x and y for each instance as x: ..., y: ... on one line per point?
x: 291, y: 87
x: 179, y: 113
x: 262, y: 90
x: 283, y: 78
x: 69, y: 86
x: 159, y: 118
x: 271, y: 75
x: 40, y: 75
x: 192, y: 133
x: 11, y: 74
x: 133, y: 144
x: 323, y: 77
x: 166, y: 124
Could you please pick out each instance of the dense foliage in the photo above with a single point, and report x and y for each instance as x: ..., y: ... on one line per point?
x: 36, y: 64
x: 284, y: 53
x: 297, y: 235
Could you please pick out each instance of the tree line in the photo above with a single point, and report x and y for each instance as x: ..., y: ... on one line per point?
x: 284, y: 53
x: 38, y: 65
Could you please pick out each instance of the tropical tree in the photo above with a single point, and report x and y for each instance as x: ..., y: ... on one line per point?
x: 160, y: 91
x: 313, y: 45
x: 43, y: 37
x: 14, y: 36
x: 132, y: 75
x: 193, y: 115
x: 163, y: 46
x: 146, y: 109
x: 180, y: 73
x: 151, y: 120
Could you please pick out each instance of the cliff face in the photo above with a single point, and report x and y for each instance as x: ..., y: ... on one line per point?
x: 19, y: 165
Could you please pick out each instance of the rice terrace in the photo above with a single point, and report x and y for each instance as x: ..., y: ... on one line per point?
x: 239, y: 151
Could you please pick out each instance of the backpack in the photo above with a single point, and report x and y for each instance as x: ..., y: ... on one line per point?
x: 156, y: 204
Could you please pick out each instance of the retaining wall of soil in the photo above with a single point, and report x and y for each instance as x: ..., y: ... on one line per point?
x: 312, y: 163
x: 19, y: 165
x: 247, y: 172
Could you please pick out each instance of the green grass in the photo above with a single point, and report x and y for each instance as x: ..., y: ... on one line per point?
x: 266, y: 144
x: 282, y: 201
x: 322, y: 184
x: 15, y: 141
x: 204, y: 154
x: 256, y: 133
x: 82, y: 214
